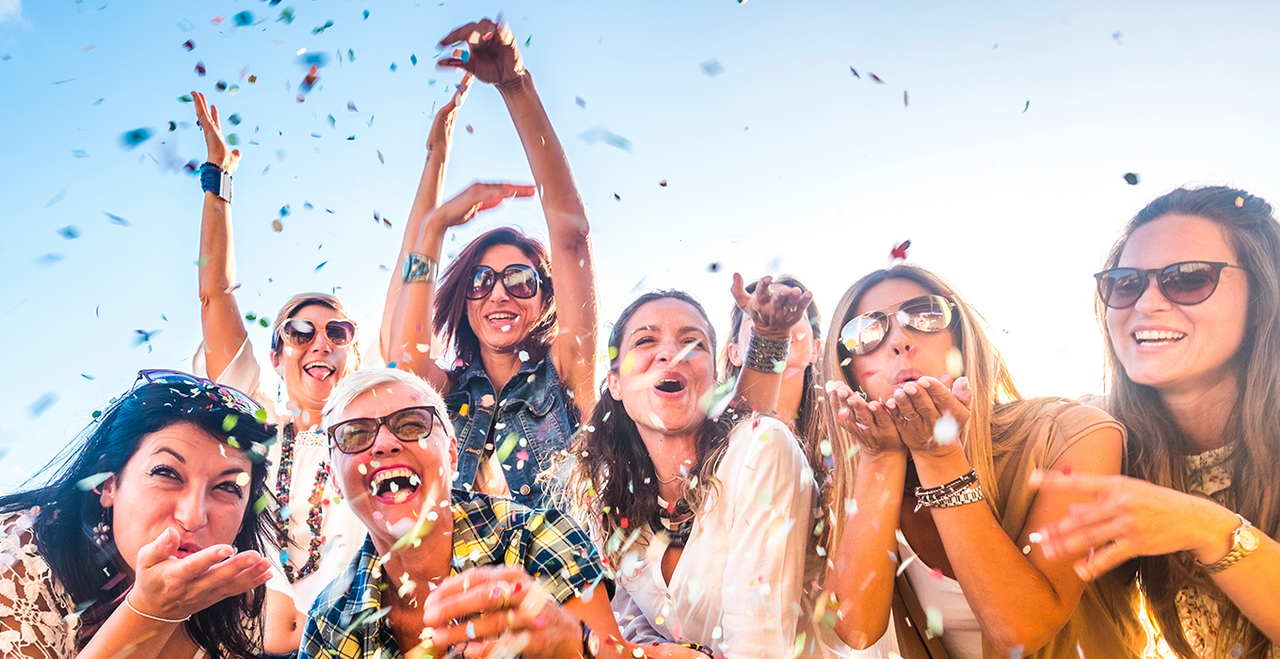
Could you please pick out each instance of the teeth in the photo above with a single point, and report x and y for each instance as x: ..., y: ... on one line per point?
x: 1154, y: 335
x: 398, y: 472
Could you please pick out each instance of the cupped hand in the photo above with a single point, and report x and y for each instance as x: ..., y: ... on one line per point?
x: 169, y: 587
x: 207, y: 118
x: 477, y: 197
x: 494, y: 607
x: 441, y: 136
x: 773, y: 308
x: 493, y: 55
x: 930, y: 417
x: 1122, y: 517
x: 870, y: 423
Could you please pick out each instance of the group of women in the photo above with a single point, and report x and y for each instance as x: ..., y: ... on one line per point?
x: 871, y: 486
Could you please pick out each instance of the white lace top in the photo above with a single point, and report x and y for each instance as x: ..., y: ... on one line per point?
x: 35, y: 610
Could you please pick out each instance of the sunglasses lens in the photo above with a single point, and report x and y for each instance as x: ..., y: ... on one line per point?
x: 1189, y: 283
x: 298, y: 332
x: 410, y: 425
x: 931, y: 313
x: 520, y: 281
x: 1120, y: 288
x: 481, y: 283
x: 340, y: 332
x: 863, y: 334
x: 355, y: 435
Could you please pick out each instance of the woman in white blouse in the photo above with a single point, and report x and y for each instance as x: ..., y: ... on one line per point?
x: 705, y: 524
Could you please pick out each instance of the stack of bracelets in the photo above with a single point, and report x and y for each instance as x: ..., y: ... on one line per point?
x: 958, y: 492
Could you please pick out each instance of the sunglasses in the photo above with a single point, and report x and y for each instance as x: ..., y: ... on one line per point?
x: 190, y: 386
x: 299, y: 332
x: 1185, y: 283
x: 928, y: 313
x: 408, y: 425
x: 520, y: 281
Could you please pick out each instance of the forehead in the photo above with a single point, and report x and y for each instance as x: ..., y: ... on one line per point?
x: 382, y: 400
x: 666, y: 314
x: 317, y: 312
x: 1175, y: 238
x: 499, y: 257
x: 198, y: 449
x: 888, y: 293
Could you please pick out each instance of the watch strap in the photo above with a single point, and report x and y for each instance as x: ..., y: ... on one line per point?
x: 214, y: 179
x: 1238, y: 549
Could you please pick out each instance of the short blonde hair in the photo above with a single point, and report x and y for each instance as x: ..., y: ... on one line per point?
x: 362, y: 382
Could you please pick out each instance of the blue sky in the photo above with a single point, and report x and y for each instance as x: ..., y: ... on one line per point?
x: 1004, y: 167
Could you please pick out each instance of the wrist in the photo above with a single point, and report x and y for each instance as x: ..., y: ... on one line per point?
x: 940, y: 465
x: 521, y: 83
x: 1213, y: 532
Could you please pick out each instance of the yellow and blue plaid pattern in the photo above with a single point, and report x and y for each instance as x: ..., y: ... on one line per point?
x: 347, y: 620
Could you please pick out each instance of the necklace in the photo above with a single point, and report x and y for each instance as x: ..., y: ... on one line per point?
x: 315, y: 517
x: 669, y: 480
x: 677, y: 519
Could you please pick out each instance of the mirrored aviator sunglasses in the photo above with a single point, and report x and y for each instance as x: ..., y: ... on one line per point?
x: 520, y: 281
x: 410, y: 424
x: 1186, y: 283
x: 300, y: 332
x: 927, y: 313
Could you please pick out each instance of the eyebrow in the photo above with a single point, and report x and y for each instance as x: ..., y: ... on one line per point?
x: 176, y: 455
x: 683, y: 330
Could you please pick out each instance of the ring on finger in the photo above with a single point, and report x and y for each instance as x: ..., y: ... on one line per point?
x: 511, y: 619
x: 908, y: 418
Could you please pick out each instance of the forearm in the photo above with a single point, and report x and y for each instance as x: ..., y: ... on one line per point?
x: 560, y: 200
x: 126, y: 633
x: 222, y: 329
x: 1013, y: 600
x: 1251, y: 583
x: 863, y: 573
x: 410, y: 334
x: 425, y: 199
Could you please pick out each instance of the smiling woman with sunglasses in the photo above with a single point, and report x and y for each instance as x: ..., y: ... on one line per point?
x: 1193, y: 365
x: 932, y: 437
x: 313, y: 345
x: 522, y: 350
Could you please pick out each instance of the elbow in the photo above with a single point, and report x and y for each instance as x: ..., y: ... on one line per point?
x: 1011, y: 640
x: 861, y: 637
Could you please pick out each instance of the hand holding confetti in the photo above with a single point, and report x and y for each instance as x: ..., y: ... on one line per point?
x: 870, y: 423
x: 917, y: 407
x: 492, y: 55
x: 494, y: 606
x: 207, y: 118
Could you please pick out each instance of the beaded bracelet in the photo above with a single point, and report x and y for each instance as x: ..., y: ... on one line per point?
x: 958, y: 492
x: 700, y: 648
x: 763, y: 353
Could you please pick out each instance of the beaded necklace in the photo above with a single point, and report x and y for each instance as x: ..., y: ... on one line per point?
x: 315, y: 517
x: 677, y: 519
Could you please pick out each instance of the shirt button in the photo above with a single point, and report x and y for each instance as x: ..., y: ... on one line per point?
x: 525, y: 489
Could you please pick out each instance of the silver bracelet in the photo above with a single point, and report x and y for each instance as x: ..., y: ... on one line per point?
x: 151, y: 617
x: 419, y: 268
x: 952, y: 499
x: 764, y: 354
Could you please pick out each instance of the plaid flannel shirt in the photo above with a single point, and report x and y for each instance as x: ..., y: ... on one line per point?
x: 347, y: 620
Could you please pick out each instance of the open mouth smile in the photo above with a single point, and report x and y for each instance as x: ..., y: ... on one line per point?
x: 1155, y: 338
x: 319, y: 370
x: 395, y: 484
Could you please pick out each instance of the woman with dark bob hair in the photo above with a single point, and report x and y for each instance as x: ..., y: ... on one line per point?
x: 522, y: 351
x: 1193, y: 364
x: 147, y: 538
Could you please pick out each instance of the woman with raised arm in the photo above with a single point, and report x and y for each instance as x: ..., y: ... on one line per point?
x: 146, y: 540
x: 933, y: 438
x: 525, y: 349
x: 313, y: 346
x: 705, y: 517
x: 1190, y: 302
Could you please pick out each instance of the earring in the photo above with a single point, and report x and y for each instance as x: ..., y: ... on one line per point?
x: 102, y: 532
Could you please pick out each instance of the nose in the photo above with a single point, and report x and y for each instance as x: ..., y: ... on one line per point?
x: 191, y: 512
x: 899, y: 339
x: 1152, y: 299
x: 499, y: 292
x: 385, y: 443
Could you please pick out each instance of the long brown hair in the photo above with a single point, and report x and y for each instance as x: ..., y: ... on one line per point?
x: 989, y: 380
x: 450, y: 319
x: 1156, y: 444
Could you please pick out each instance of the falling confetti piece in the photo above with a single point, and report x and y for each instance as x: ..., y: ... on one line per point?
x: 80, y: 153
x: 41, y: 404
x: 713, y: 267
x: 711, y: 68
x: 351, y: 106
x: 87, y: 47
x: 244, y: 18
x: 875, y: 78
x: 955, y: 363
x: 1239, y: 202
x: 233, y: 139
x: 333, y: 123
x: 1025, y: 107
x: 380, y: 158
x: 63, y: 82
x: 934, y: 617
x: 1131, y: 178
x: 189, y: 45
x: 663, y: 183
x: 616, y: 197
x: 579, y: 100
x: 90, y: 483
x: 899, y: 253
x: 413, y: 59
x: 57, y: 198
x: 286, y: 15
x: 366, y: 14
x: 221, y: 85
x: 320, y: 266
x: 470, y: 130
x: 277, y: 226
x: 185, y: 98
x: 1116, y: 35
x: 393, y: 67
x: 70, y: 232
x: 904, y: 98
x: 946, y: 429
x: 253, y: 79
x: 135, y: 137
x: 855, y: 73
x: 322, y: 28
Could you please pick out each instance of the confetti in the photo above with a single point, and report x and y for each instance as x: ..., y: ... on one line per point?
x: 711, y: 68
x: 221, y: 85
x: 855, y: 73
x: 470, y: 130
x: 579, y: 100
x: 189, y: 45
x: 934, y: 617
x: 87, y: 47
x: 380, y: 158
x: 200, y: 70
x: 946, y: 429
x: 955, y: 362
x: 90, y: 483
x: 1116, y: 35
x: 135, y: 137
x: 713, y: 267
x: 185, y: 98
x: 243, y: 18
x: 875, y: 78
x: 899, y: 253
x: 253, y: 79
x: 1239, y: 202
x: 1131, y: 178
x: 286, y: 15
x: 41, y: 404
x: 57, y: 198
x: 277, y: 226
x: 116, y: 219
x: 413, y: 59
x: 320, y: 29
x: 320, y: 266
x: 351, y: 106
x: 70, y: 232
x: 663, y: 183
x: 80, y: 153
x: 616, y: 197
x: 366, y: 14
x: 1025, y: 107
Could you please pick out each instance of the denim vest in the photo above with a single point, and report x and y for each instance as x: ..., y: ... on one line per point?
x: 532, y: 416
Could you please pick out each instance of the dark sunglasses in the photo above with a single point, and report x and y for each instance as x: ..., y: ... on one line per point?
x: 521, y: 281
x: 299, y: 332
x: 408, y: 425
x: 927, y: 313
x: 190, y: 386
x: 1185, y: 283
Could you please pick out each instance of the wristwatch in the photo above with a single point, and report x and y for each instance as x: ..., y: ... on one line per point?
x: 214, y: 179
x: 1244, y: 541
x: 590, y: 642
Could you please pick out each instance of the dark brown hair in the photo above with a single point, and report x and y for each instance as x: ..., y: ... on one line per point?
x: 1156, y: 444
x: 450, y: 319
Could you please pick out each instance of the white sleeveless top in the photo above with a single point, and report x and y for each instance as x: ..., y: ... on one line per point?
x: 961, y: 635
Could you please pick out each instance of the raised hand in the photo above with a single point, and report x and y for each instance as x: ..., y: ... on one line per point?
x: 918, y: 410
x: 493, y: 55
x: 169, y: 587
x: 477, y: 197
x: 870, y: 423
x: 494, y: 607
x: 773, y: 308
x: 441, y: 136
x: 207, y: 119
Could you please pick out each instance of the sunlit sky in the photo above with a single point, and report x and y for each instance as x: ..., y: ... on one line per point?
x: 1004, y: 166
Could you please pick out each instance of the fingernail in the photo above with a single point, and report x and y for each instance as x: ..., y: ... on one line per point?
x: 495, y: 594
x: 924, y: 383
x: 225, y: 551
x: 910, y: 388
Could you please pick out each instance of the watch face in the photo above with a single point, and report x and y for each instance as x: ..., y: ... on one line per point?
x: 593, y: 644
x: 1248, y: 539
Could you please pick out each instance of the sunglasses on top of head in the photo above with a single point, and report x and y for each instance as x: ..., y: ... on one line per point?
x: 1187, y: 283
x: 520, y: 280
x: 408, y: 425
x: 299, y: 332
x: 927, y: 313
